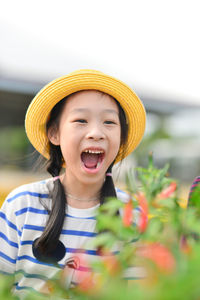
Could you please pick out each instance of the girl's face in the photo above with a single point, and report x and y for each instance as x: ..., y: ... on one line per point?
x: 88, y: 135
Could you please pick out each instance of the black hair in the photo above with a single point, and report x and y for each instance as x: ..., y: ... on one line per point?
x: 49, y: 239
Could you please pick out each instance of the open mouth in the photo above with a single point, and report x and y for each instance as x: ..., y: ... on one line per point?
x: 92, y: 159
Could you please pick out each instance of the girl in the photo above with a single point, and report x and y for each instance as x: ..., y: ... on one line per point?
x: 82, y: 123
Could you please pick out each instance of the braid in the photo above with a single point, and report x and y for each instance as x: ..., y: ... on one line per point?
x: 49, y: 239
x: 55, y: 161
x: 108, y: 188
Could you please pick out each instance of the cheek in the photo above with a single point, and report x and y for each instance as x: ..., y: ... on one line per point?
x: 70, y: 144
x: 69, y: 156
x: 68, y: 136
x: 119, y: 136
x: 116, y: 140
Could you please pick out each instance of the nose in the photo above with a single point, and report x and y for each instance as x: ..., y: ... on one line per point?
x: 95, y: 132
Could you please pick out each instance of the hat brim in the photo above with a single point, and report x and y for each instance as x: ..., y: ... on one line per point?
x: 42, y: 104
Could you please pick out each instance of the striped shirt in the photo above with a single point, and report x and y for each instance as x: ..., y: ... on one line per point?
x: 23, y: 219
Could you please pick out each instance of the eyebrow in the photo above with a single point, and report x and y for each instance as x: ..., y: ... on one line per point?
x: 87, y: 110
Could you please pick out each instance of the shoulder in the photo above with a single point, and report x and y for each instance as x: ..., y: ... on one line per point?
x: 122, y: 195
x: 125, y: 197
x: 28, y: 193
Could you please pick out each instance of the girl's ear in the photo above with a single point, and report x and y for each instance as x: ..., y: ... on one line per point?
x: 53, y: 135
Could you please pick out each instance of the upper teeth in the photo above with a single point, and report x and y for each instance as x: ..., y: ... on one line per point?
x: 94, y: 151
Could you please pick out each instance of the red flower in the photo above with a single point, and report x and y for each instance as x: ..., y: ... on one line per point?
x: 159, y: 254
x: 143, y: 221
x: 87, y: 284
x: 128, y: 214
x: 167, y: 192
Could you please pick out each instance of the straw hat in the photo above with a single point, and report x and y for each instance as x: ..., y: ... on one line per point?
x: 39, y: 110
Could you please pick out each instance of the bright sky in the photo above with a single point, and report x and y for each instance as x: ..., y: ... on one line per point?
x: 153, y: 45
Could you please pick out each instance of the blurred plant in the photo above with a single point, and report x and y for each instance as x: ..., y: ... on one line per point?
x: 15, y: 145
x: 151, y: 251
x: 6, y: 284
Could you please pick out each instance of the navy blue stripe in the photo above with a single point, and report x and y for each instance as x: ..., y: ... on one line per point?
x: 28, y: 275
x: 31, y: 209
x: 4, y: 237
x: 10, y: 224
x: 5, y: 273
x: 79, y: 233
x: 45, y: 212
x: 29, y: 258
x: 38, y: 195
x: 26, y: 288
x: 6, y: 257
x: 26, y: 242
x: 73, y: 250
x: 67, y: 232
x: 33, y: 227
x: 34, y: 260
x: 120, y: 191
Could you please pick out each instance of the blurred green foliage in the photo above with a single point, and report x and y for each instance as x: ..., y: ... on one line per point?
x: 164, y: 241
x: 14, y: 144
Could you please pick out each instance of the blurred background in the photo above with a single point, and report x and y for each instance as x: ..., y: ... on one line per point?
x: 151, y: 45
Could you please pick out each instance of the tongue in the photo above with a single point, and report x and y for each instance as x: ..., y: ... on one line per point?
x: 90, y: 160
